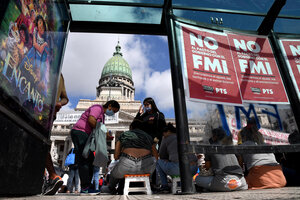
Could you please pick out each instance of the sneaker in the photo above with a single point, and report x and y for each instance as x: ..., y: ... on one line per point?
x: 52, y: 186
x: 84, y: 191
x: 89, y: 191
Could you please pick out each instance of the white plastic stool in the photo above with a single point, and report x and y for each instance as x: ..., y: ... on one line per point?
x: 137, y: 178
x: 176, y: 185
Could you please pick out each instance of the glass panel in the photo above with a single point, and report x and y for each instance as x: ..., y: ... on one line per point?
x: 275, y: 122
x: 243, y: 5
x: 291, y: 8
x: 243, y: 22
x: 287, y: 26
x: 116, y: 14
x: 275, y: 130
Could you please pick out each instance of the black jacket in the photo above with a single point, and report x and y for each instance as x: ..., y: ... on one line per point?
x: 153, y: 123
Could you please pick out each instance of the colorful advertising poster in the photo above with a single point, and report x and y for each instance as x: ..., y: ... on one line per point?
x: 291, y: 50
x: 257, y: 71
x: 32, y: 37
x: 209, y: 67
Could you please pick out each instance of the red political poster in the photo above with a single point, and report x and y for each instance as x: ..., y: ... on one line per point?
x: 257, y: 71
x: 291, y: 50
x: 209, y: 69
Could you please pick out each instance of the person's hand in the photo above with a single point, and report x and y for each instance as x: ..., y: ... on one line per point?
x: 109, y: 136
x: 141, y: 110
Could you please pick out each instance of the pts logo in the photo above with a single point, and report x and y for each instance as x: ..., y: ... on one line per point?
x: 211, y: 89
x: 267, y: 91
x: 264, y: 91
x: 221, y: 91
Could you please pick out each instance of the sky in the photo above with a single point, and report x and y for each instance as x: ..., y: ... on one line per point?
x: 148, y: 57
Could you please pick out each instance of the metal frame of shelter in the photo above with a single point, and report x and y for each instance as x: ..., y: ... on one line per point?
x: 167, y: 27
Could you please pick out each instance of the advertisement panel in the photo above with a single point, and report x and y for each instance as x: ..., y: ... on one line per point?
x: 291, y: 51
x: 32, y: 37
x: 209, y: 67
x: 257, y: 71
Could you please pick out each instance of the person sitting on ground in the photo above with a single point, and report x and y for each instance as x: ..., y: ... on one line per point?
x: 168, y: 163
x: 227, y: 174
x: 263, y: 169
x: 134, y: 150
x: 290, y: 162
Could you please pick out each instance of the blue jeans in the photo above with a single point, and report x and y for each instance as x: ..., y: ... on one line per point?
x: 165, y: 168
x: 95, y: 178
x: 127, y: 166
x: 204, y: 181
x: 73, y: 174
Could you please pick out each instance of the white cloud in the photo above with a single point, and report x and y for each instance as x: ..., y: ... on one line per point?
x: 158, y: 85
x: 67, y: 107
x: 84, y: 60
x: 196, y: 110
x: 86, y: 55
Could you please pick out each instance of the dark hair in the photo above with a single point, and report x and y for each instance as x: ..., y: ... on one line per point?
x: 251, y: 133
x: 294, y: 138
x: 251, y: 124
x: 136, y: 124
x: 220, y: 137
x: 153, y: 105
x: 218, y: 133
x: 37, y: 20
x: 24, y: 28
x: 169, y: 127
x: 113, y: 104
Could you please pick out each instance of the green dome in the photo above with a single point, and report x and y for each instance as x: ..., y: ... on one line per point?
x: 117, y: 65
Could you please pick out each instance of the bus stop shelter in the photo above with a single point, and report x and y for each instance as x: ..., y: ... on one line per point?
x: 269, y: 31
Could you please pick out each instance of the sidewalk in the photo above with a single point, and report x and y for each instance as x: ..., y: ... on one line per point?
x: 274, y: 194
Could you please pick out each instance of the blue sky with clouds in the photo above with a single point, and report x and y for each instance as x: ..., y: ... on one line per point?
x: 148, y: 57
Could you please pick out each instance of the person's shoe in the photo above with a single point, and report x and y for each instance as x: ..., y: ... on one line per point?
x: 52, y: 186
x: 92, y: 191
x: 164, y: 190
x: 84, y: 190
x: 89, y: 191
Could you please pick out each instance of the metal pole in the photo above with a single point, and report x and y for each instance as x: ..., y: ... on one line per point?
x: 180, y: 104
x: 287, y: 80
x: 267, y: 24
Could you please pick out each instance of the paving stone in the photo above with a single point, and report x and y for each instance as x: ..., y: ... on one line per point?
x: 291, y: 193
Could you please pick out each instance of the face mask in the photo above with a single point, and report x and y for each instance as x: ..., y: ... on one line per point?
x: 109, y: 112
x: 147, y: 109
